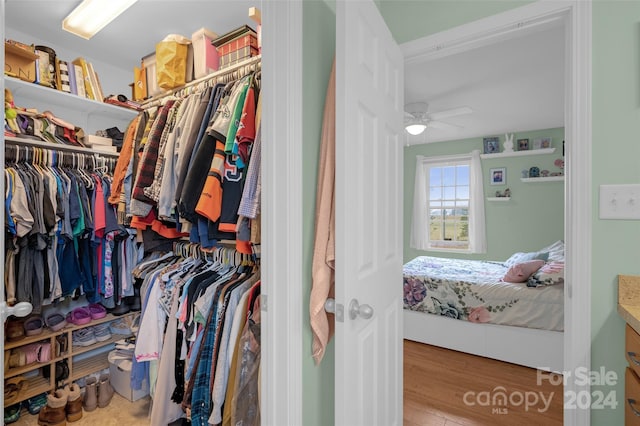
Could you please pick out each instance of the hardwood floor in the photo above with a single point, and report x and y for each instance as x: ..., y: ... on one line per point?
x: 449, y: 388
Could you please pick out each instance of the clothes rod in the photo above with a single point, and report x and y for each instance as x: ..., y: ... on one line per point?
x: 156, y: 100
x: 9, y: 140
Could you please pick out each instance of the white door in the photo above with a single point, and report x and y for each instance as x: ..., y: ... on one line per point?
x: 369, y: 114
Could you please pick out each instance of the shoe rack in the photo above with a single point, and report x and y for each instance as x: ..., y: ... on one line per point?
x: 78, y: 368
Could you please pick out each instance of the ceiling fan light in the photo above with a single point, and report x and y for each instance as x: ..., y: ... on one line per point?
x: 415, y: 129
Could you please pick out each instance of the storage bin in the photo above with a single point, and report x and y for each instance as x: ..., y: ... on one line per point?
x: 120, y: 372
x: 20, y: 61
x: 205, y: 55
x: 236, y: 45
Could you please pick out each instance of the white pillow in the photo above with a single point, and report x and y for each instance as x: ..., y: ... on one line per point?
x: 520, y: 257
x: 556, y: 251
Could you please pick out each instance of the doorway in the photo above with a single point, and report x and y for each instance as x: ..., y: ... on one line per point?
x: 575, y: 19
x: 282, y: 353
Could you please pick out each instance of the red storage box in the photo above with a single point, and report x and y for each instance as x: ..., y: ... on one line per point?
x: 236, y: 45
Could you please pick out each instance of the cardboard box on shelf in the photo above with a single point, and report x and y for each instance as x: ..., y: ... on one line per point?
x: 97, y: 141
x: 19, y: 61
x: 205, y: 55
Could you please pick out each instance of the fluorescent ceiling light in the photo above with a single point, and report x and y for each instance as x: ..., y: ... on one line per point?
x: 93, y: 15
x: 415, y: 129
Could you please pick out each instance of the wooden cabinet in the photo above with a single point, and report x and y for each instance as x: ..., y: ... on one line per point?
x: 632, y: 378
x: 82, y: 360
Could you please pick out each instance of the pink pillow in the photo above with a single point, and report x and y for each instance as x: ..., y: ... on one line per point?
x: 520, y: 272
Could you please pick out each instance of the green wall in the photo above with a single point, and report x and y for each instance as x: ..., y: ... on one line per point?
x: 319, y: 42
x: 616, y: 159
x: 413, y: 19
x: 534, y: 216
x: 615, y: 153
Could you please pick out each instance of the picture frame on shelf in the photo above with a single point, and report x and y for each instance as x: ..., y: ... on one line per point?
x: 491, y: 145
x: 498, y: 176
x: 545, y: 143
x: 523, y: 144
x: 537, y: 143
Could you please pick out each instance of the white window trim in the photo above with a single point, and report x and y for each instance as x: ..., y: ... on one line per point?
x: 420, y: 238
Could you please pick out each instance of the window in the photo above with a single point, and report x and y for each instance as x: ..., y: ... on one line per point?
x: 448, y: 201
x: 448, y: 206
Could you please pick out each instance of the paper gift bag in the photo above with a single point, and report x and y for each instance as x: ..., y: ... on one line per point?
x: 139, y: 83
x: 171, y: 61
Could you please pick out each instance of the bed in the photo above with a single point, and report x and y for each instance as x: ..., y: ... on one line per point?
x: 466, y: 306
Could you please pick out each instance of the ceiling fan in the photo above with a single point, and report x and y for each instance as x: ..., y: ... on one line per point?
x: 417, y: 118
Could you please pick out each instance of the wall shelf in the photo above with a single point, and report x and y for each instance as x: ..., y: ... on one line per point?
x: 498, y: 198
x: 542, y: 151
x: 22, y: 89
x: 543, y: 179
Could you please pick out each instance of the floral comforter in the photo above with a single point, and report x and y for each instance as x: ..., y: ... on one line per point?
x: 472, y: 290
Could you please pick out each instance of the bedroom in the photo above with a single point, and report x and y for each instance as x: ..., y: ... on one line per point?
x: 515, y: 89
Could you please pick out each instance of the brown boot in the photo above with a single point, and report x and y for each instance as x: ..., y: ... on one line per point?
x: 74, y: 403
x: 53, y: 414
x: 105, y: 391
x: 91, y: 395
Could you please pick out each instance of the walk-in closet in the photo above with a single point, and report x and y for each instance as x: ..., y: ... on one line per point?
x: 133, y: 200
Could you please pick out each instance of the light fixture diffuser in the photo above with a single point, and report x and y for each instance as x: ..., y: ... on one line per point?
x: 93, y: 15
x: 415, y: 129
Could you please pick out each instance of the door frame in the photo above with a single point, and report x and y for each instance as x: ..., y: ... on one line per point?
x: 282, y: 346
x: 578, y: 171
x: 282, y: 251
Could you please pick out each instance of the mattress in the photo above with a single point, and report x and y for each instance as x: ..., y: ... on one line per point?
x: 473, y: 290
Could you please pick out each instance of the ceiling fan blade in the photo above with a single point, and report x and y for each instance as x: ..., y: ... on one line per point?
x: 449, y: 113
x: 442, y: 125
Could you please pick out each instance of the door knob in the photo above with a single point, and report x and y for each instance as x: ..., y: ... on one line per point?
x: 20, y: 309
x: 330, y: 306
x: 355, y: 309
x: 337, y: 309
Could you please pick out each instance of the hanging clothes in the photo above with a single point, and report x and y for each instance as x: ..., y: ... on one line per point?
x: 195, y: 310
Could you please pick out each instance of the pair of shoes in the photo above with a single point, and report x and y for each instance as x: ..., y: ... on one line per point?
x: 97, y: 311
x: 101, y: 332
x: 13, y: 387
x: 35, y: 404
x: 33, y: 325
x: 55, y: 321
x: 120, y: 327
x: 14, y: 329
x: 98, y: 393
x: 64, y: 405
x: 62, y: 344
x: 12, y: 414
x: 28, y: 354
x: 79, y: 316
x: 83, y: 337
x: 121, y: 309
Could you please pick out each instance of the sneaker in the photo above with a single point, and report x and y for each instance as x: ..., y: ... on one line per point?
x: 35, y: 404
x: 83, y: 337
x: 12, y: 413
x: 101, y: 332
x: 119, y: 327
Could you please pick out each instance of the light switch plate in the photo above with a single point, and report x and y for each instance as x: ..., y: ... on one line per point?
x: 620, y: 201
